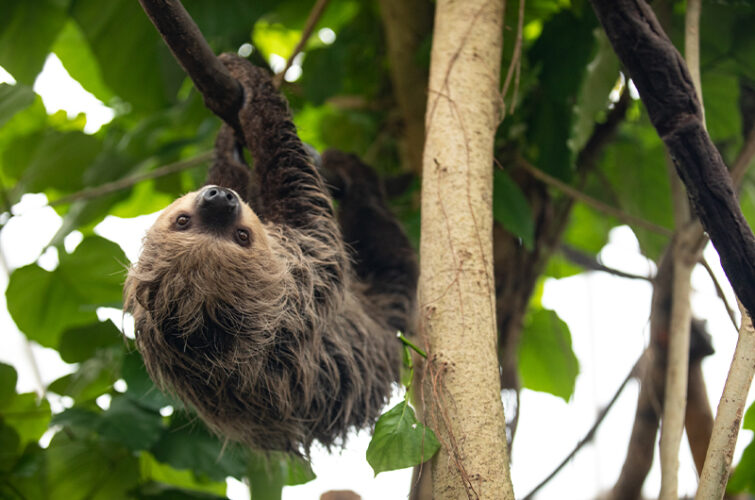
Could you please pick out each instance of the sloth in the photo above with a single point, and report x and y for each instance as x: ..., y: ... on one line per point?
x: 258, y: 306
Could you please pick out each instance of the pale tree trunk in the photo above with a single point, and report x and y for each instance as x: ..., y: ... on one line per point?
x: 456, y: 291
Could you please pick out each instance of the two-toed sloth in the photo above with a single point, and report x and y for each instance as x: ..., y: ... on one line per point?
x: 277, y: 323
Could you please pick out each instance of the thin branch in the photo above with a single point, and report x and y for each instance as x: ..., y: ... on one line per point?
x: 592, y: 202
x: 686, y: 250
x: 111, y: 187
x: 720, y: 292
x: 591, y: 433
x: 588, y: 262
x: 221, y: 92
x: 515, y: 57
x: 309, y: 26
x: 729, y: 415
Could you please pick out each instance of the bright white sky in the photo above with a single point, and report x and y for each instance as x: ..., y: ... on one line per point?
x: 607, y: 317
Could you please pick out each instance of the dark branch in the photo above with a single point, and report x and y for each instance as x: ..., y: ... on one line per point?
x: 665, y: 86
x: 221, y: 92
x: 590, y: 263
x: 309, y: 26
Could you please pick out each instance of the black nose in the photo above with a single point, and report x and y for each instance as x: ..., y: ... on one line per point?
x: 218, y: 207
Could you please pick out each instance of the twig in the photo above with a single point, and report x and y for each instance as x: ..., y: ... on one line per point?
x: 221, y: 92
x: 514, y: 65
x: 588, y: 200
x: 588, y: 262
x: 110, y: 187
x: 591, y: 433
x: 720, y: 292
x: 309, y: 26
x: 729, y: 415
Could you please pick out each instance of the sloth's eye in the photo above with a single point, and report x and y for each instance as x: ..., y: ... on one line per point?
x: 182, y: 221
x: 242, y: 236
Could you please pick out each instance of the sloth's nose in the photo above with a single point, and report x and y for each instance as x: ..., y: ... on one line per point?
x: 218, y: 206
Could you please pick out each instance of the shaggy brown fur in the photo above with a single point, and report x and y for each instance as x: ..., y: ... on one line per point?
x: 281, y: 337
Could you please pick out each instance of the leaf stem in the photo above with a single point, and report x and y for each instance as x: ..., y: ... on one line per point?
x: 411, y: 345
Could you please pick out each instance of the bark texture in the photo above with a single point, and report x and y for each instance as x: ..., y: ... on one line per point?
x: 457, y: 298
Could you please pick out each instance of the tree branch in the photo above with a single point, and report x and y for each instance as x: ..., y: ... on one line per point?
x: 591, y: 433
x: 665, y: 87
x: 111, y: 187
x: 309, y: 26
x: 221, y: 92
x: 729, y: 415
x: 588, y: 262
x: 592, y: 202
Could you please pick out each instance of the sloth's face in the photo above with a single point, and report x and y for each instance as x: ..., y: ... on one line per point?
x: 211, y: 212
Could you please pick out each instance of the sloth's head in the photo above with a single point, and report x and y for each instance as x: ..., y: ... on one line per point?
x: 205, y: 275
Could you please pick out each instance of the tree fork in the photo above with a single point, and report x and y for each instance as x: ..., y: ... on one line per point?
x: 456, y: 290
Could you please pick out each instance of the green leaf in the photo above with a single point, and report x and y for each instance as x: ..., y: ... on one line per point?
x: 8, y: 379
x: 600, y: 77
x: 52, y: 160
x: 80, y: 468
x: 400, y: 440
x: 28, y: 417
x: 546, y: 360
x: 81, y: 343
x: 129, y: 424
x: 722, y: 112
x: 511, y: 210
x: 140, y: 386
x: 14, y: 98
x: 45, y: 303
x: 94, y: 376
x: 133, y: 60
x: 743, y: 477
x: 78, y: 59
x: 152, y: 470
x: 188, y: 445
x: 27, y: 30
x: 562, y: 69
x: 299, y: 471
x: 749, y: 419
x: 10, y: 442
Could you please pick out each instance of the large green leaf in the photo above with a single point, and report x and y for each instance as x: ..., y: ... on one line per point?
x: 81, y: 343
x: 511, y: 210
x: 10, y: 442
x: 546, y: 360
x: 131, y: 425
x: 93, y: 377
x: 188, y: 445
x: 79, y: 468
x: 77, y: 57
x: 51, y: 160
x: 27, y: 30
x: 152, y: 470
x: 743, y: 478
x: 45, y: 303
x: 29, y: 417
x: 133, y: 60
x: 600, y: 77
x: 562, y: 67
x: 8, y: 379
x: 140, y: 386
x: 14, y: 98
x: 400, y: 440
